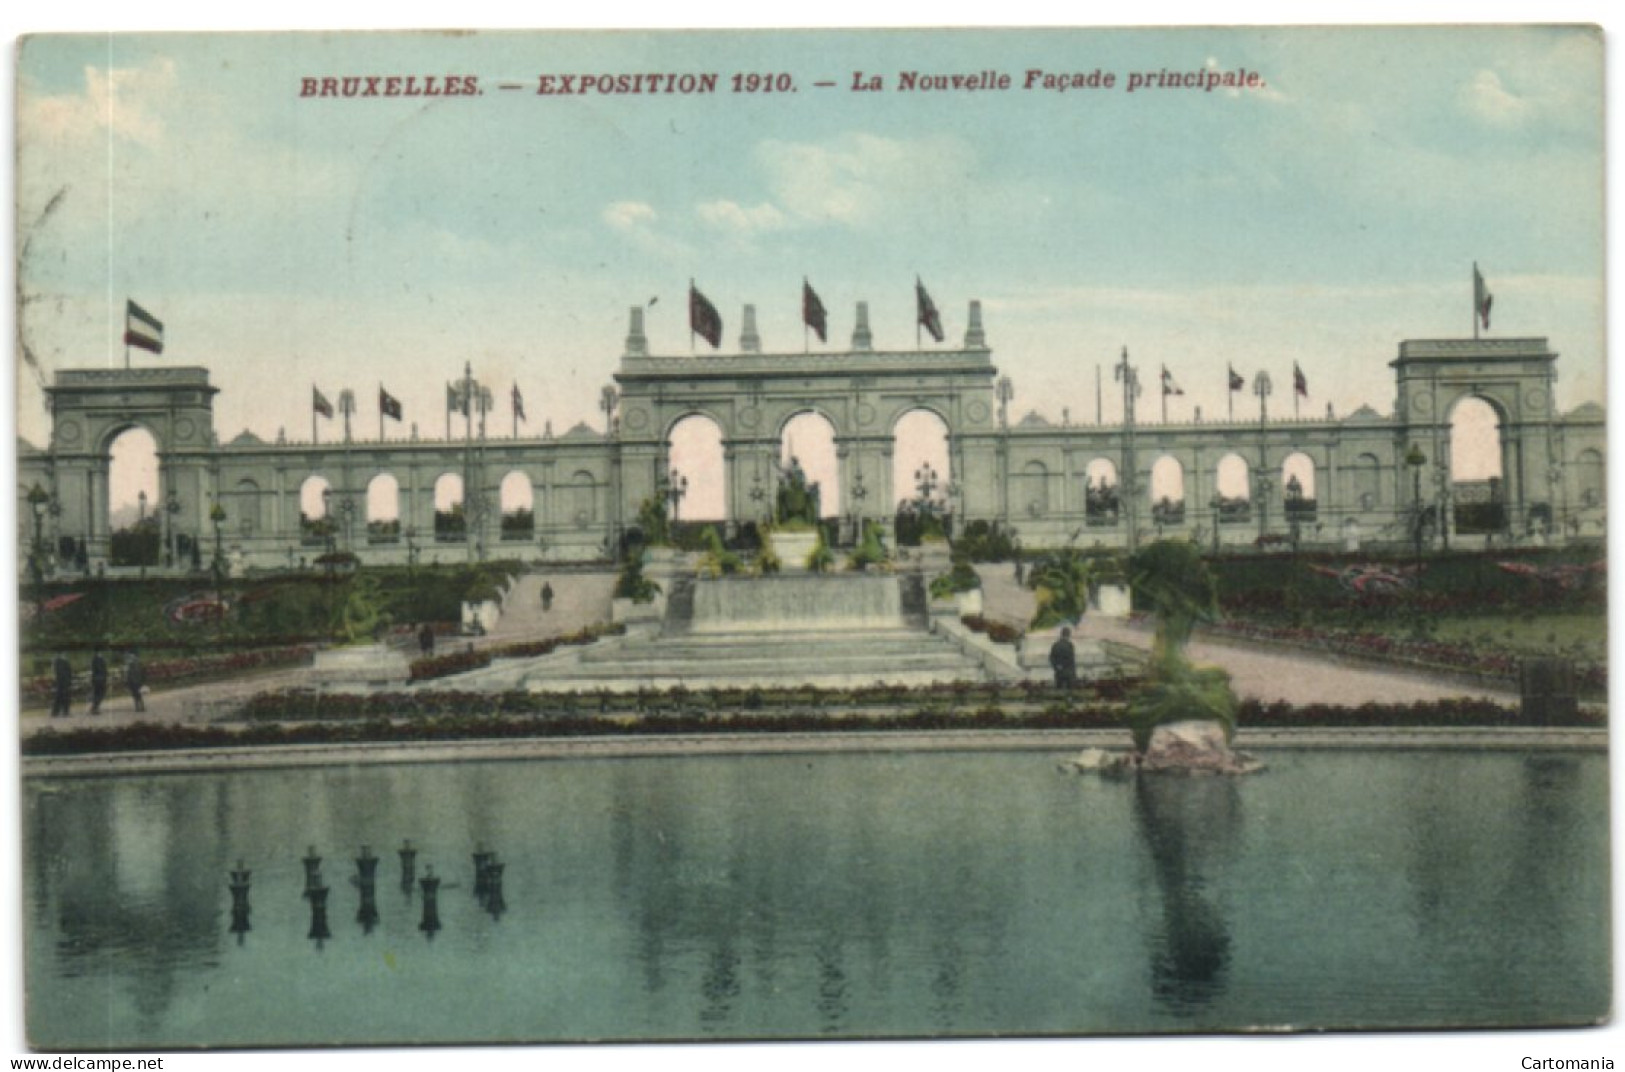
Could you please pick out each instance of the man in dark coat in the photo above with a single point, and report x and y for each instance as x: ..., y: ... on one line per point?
x: 426, y: 640
x: 135, y: 678
x: 547, y: 597
x: 61, y: 685
x: 1063, y: 659
x: 98, y: 681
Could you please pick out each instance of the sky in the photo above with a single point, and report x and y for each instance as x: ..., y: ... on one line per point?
x: 288, y: 242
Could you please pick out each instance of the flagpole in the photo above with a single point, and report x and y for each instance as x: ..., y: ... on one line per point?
x: 691, y: 315
x: 313, y: 438
x: 1099, y: 415
x: 1230, y: 391
x: 380, y: 411
x: 1474, y: 304
x: 1165, y: 394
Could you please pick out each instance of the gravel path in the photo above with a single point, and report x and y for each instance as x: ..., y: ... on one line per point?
x: 1256, y: 672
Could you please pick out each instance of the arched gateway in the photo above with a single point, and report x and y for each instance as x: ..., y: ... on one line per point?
x: 1315, y: 479
x: 861, y: 392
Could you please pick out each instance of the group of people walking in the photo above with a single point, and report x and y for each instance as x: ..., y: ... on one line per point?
x: 135, y: 679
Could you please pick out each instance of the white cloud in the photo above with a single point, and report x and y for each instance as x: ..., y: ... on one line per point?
x: 628, y: 215
x: 124, y: 102
x: 856, y: 178
x: 732, y: 216
x: 1487, y: 98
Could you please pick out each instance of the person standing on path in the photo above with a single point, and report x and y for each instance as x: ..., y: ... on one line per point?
x: 135, y: 677
x: 547, y: 597
x: 98, y: 680
x: 1063, y: 659
x: 61, y: 685
x: 426, y: 640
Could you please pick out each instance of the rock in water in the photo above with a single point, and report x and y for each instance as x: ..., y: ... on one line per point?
x: 1197, y: 747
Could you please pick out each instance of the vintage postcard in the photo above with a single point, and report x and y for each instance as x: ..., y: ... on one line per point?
x: 796, y: 535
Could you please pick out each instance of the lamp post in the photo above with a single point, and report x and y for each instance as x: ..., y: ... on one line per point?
x: 1416, y: 460
x: 217, y: 515
x: 38, y: 499
x: 925, y: 482
x: 1217, y: 504
x: 411, y: 548
x: 172, y: 508
x: 676, y: 488
x: 859, y: 493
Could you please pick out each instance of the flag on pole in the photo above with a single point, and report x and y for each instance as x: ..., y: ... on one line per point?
x: 518, y: 404
x: 1236, y: 382
x: 1169, y: 387
x: 1482, y: 298
x: 928, y: 317
x: 812, y: 311
x: 319, y: 402
x: 142, y: 329
x: 1299, y: 384
x: 703, y: 318
x: 388, y: 404
x: 456, y: 399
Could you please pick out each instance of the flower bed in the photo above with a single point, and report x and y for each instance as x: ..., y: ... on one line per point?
x: 459, y: 662
x: 312, y: 704
x: 996, y: 631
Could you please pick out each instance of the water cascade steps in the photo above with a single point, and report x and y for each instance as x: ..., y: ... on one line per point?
x: 835, y: 631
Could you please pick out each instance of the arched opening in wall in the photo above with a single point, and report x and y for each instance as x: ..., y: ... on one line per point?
x: 517, y: 498
x: 383, y: 509
x: 1477, y: 485
x: 695, y: 484
x: 922, y: 466
x: 1101, y: 503
x: 1167, y: 492
x: 134, y: 512
x: 450, y: 522
x: 315, y: 505
x: 1298, y: 489
x: 1233, y: 478
x: 1031, y: 490
x: 581, y: 500
x: 244, y: 510
x: 1365, y: 481
x: 1590, y: 479
x: 808, y: 484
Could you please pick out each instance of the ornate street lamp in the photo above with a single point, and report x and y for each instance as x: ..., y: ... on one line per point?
x: 38, y: 500
x: 676, y: 488
x: 172, y: 507
x: 1416, y: 460
x: 217, y: 515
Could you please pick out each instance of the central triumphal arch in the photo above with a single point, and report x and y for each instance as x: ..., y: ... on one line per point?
x: 861, y: 392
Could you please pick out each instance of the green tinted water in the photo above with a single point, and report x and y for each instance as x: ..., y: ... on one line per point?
x: 852, y: 895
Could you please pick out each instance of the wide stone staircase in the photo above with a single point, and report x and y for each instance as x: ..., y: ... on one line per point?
x: 833, y: 632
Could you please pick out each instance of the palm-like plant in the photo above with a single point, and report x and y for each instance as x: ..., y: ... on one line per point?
x: 1171, y: 579
x: 1062, y: 582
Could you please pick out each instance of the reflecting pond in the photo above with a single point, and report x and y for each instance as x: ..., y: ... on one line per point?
x: 876, y: 894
